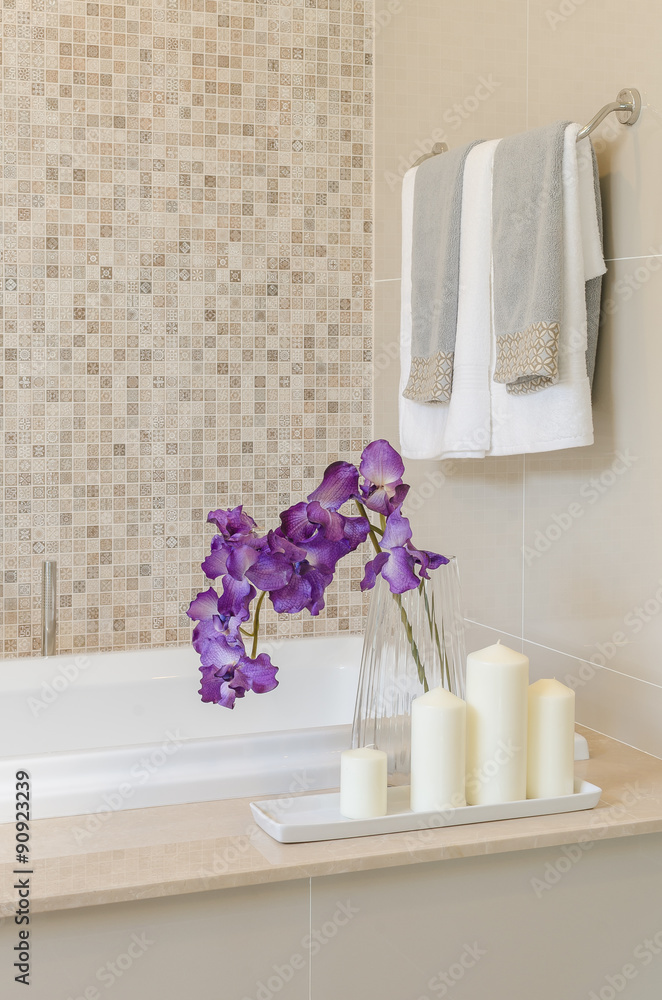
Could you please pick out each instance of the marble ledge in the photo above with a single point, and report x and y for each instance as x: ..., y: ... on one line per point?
x: 164, y: 851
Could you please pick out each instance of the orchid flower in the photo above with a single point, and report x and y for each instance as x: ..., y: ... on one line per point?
x: 228, y: 673
x: 295, y: 563
x: 382, y: 468
x: 399, y: 558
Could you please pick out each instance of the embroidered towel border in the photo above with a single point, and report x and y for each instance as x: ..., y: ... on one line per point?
x: 431, y: 379
x: 528, y: 360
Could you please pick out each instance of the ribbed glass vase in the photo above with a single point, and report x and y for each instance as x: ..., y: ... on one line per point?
x: 413, y: 642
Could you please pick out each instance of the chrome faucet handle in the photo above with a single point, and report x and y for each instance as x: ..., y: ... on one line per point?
x: 48, y: 608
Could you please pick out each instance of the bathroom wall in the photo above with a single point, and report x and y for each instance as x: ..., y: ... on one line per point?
x: 560, y: 553
x: 186, y: 241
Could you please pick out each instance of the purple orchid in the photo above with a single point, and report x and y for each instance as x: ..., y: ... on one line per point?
x: 220, y: 614
x: 320, y: 512
x: 228, y: 673
x: 312, y: 566
x: 382, y: 468
x: 295, y: 563
x: 232, y: 557
x: 232, y: 522
x: 399, y: 557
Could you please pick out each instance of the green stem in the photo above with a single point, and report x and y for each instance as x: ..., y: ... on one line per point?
x: 412, y: 642
x: 256, y: 623
x: 439, y: 642
x: 372, y: 530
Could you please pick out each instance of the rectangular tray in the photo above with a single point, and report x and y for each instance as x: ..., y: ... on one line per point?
x: 308, y: 818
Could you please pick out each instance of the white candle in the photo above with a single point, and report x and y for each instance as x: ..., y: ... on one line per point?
x: 363, y: 780
x: 497, y: 686
x: 551, y: 742
x: 438, y: 740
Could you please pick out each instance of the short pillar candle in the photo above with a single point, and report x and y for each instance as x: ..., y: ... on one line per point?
x: 363, y: 781
x: 551, y: 751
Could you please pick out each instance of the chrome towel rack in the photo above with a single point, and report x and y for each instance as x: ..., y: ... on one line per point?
x: 626, y: 107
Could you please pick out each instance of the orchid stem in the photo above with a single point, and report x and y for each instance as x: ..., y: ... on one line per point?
x: 256, y: 623
x: 372, y: 531
x: 434, y: 632
x: 412, y: 642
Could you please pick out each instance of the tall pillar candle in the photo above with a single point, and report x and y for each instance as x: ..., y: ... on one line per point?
x: 497, y: 687
x: 363, y: 781
x: 438, y: 740
x: 551, y: 741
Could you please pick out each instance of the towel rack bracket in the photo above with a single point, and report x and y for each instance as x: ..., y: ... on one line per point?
x: 632, y: 97
x: 626, y: 107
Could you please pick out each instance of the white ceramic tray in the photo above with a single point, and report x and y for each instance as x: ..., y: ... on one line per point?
x: 317, y: 817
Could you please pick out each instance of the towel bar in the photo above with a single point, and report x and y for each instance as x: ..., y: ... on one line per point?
x: 627, y: 108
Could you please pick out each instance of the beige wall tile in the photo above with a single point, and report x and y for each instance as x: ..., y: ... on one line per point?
x: 444, y: 72
x: 593, y: 554
x: 608, y: 701
x: 577, y: 63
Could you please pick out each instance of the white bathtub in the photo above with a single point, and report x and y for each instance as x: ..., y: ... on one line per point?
x: 125, y: 730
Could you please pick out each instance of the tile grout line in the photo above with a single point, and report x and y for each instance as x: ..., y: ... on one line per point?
x: 310, y: 938
x: 523, y: 534
x: 643, y: 256
x: 526, y: 85
x: 560, y: 652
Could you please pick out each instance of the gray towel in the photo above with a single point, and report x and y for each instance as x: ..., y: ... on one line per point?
x: 594, y: 286
x: 528, y: 257
x: 435, y: 272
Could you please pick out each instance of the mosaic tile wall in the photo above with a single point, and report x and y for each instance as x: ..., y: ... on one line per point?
x: 186, y: 253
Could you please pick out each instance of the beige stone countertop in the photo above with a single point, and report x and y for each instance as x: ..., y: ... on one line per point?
x: 168, y: 850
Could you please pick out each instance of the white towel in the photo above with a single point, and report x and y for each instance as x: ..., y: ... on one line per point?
x: 461, y: 427
x: 467, y: 433
x: 470, y: 425
x: 560, y: 416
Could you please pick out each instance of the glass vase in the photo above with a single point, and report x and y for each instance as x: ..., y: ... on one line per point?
x: 413, y: 642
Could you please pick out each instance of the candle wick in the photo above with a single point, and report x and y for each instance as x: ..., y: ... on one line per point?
x: 498, y: 642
